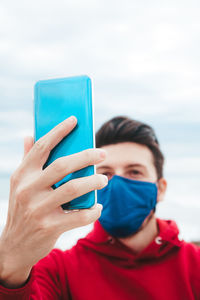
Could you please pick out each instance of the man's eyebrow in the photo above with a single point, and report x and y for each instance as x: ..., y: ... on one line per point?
x: 104, y: 167
x: 135, y: 165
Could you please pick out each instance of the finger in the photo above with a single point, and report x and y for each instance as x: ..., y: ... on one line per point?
x: 42, y: 147
x: 69, y: 164
x: 28, y: 144
x: 74, y: 189
x: 73, y: 219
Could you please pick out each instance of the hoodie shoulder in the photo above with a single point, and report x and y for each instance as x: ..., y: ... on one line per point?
x: 192, y: 251
x: 190, y: 254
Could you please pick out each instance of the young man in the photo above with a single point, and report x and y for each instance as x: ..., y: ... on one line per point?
x: 128, y: 255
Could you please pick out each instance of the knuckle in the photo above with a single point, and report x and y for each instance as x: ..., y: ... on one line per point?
x: 22, y: 194
x: 34, y: 216
x: 14, y: 179
x: 61, y: 126
x: 33, y: 213
x: 58, y: 130
x: 88, y: 157
x: 48, y: 227
x: 58, y: 166
x: 84, y: 218
x: 16, y: 176
x: 71, y: 189
x: 40, y: 146
x: 45, y: 227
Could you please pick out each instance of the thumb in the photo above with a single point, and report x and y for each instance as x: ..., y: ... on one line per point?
x: 28, y: 144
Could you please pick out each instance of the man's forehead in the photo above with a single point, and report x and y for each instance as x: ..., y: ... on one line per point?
x: 127, y: 154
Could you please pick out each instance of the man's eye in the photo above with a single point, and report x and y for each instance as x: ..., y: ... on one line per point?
x: 135, y: 172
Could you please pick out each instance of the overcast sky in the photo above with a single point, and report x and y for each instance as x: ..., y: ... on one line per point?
x: 143, y: 58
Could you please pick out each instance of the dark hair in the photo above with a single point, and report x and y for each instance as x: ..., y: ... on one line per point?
x: 124, y: 129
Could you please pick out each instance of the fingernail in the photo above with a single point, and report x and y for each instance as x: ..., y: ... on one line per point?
x: 72, y: 119
x: 102, y: 153
x: 105, y: 178
x: 100, y: 206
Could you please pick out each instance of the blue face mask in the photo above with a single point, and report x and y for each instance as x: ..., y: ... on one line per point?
x: 126, y: 204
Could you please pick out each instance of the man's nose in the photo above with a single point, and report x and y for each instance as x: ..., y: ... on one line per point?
x: 118, y: 172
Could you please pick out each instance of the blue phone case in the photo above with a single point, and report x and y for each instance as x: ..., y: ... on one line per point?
x: 54, y: 101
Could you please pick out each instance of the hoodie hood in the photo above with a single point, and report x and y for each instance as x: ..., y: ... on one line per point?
x: 166, y: 241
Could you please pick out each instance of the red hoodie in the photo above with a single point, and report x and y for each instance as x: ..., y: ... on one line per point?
x: 100, y: 267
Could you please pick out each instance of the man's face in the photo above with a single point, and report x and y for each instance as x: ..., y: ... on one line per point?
x: 133, y: 161
x: 130, y: 160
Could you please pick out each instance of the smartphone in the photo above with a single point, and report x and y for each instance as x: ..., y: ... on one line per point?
x: 54, y: 101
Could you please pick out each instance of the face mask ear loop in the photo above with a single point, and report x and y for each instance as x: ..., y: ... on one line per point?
x: 157, y: 184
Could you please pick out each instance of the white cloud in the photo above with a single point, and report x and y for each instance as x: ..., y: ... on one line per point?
x: 122, y: 47
x: 187, y: 165
x: 16, y: 117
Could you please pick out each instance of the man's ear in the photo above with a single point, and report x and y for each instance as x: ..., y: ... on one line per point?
x: 162, y: 187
